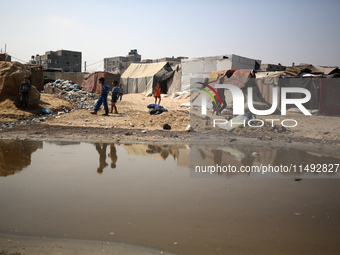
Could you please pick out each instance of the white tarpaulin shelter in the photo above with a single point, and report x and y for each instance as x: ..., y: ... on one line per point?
x: 142, y: 77
x: 202, y: 67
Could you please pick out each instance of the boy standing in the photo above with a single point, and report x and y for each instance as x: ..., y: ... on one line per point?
x: 103, y: 98
x: 120, y: 95
x: 115, y: 93
x: 158, y: 93
x: 25, y: 89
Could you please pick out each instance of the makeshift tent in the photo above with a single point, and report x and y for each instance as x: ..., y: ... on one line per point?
x: 329, y: 96
x: 174, y: 83
x: 240, y: 78
x: 325, y: 92
x: 309, y: 83
x: 200, y: 68
x: 91, y: 82
x: 266, y: 81
x: 143, y: 77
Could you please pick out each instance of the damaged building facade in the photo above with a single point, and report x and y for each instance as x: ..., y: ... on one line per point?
x: 61, y: 60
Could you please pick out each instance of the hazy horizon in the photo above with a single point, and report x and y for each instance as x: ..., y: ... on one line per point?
x: 274, y: 32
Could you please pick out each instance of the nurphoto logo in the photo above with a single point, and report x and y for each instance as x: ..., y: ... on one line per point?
x: 238, y: 99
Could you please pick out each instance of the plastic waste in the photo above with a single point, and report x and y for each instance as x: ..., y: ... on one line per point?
x: 47, y: 111
x: 151, y: 106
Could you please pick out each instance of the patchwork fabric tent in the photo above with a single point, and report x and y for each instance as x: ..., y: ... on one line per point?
x: 241, y: 79
x: 91, y: 82
x: 143, y: 77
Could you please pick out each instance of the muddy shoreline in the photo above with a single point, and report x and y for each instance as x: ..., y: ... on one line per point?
x: 41, y: 245
x: 39, y: 131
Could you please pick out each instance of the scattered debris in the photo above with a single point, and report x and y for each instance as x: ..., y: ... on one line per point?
x: 46, y: 111
x: 155, y: 111
x: 166, y: 126
x: 189, y: 128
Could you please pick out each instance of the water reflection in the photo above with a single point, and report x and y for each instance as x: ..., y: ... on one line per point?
x: 113, y: 155
x: 101, y: 149
x: 149, y: 200
x: 16, y: 155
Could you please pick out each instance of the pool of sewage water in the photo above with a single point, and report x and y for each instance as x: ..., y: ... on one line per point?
x: 152, y: 196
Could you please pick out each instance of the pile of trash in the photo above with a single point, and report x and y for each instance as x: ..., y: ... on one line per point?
x: 72, y: 93
x: 82, y: 99
x: 65, y: 85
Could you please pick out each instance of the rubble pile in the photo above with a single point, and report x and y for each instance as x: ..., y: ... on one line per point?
x: 72, y: 93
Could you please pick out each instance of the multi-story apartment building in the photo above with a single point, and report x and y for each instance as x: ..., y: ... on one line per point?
x: 61, y: 60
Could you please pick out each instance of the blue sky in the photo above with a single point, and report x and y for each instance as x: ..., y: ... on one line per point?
x: 272, y: 31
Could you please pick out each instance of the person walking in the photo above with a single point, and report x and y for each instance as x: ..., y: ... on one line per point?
x: 115, y: 93
x: 103, y: 98
x: 121, y: 91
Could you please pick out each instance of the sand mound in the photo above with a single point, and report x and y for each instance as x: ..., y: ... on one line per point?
x: 11, y: 76
x: 10, y: 110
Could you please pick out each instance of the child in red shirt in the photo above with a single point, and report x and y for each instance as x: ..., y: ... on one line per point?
x: 158, y: 93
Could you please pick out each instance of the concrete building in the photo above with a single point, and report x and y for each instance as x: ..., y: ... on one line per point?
x: 61, y: 60
x: 121, y: 63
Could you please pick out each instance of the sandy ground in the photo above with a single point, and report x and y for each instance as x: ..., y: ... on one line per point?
x: 135, y: 124
x: 133, y: 109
